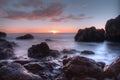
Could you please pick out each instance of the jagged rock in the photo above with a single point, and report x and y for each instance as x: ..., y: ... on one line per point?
x: 113, y: 29
x: 82, y: 67
x: 90, y: 35
x: 15, y: 71
x: 113, y: 70
x: 26, y: 36
x: 3, y: 34
x: 41, y: 50
x: 6, y: 49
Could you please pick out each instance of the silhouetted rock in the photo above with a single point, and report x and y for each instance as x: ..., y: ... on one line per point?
x: 113, y: 70
x: 3, y: 34
x: 87, y: 52
x: 6, y: 49
x: 27, y: 36
x: 113, y: 29
x: 14, y: 71
x: 80, y: 68
x: 48, y: 40
x: 90, y: 35
x: 41, y: 50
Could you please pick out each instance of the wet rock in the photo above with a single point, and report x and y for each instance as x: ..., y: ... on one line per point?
x: 113, y: 70
x: 82, y: 67
x: 6, y: 49
x: 48, y: 40
x: 102, y: 64
x: 69, y: 51
x: 90, y: 35
x: 41, y: 50
x: 87, y: 52
x: 26, y: 36
x: 15, y: 71
x: 3, y: 34
x: 47, y: 70
x: 113, y: 29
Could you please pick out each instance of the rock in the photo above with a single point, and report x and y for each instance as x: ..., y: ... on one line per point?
x: 41, y: 50
x: 113, y: 29
x: 102, y: 64
x: 48, y: 40
x: 87, y: 52
x: 113, y: 70
x: 82, y: 67
x: 6, y: 49
x: 90, y: 35
x: 69, y: 51
x: 26, y: 36
x: 3, y: 34
x: 15, y: 71
x: 47, y: 70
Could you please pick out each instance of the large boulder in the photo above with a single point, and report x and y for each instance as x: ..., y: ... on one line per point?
x: 15, y: 71
x: 81, y: 67
x: 90, y: 35
x: 6, y: 49
x: 113, y: 29
x: 41, y: 50
x: 113, y: 70
x: 3, y: 34
x: 26, y: 36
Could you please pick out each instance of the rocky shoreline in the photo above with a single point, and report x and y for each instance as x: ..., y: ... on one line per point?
x: 40, y: 65
x: 44, y: 63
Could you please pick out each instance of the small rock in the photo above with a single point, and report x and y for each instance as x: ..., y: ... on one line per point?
x: 87, y: 52
x: 26, y: 36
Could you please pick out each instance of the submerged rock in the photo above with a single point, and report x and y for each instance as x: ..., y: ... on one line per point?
x: 41, y: 50
x: 113, y: 29
x: 26, y: 36
x: 15, y: 71
x: 48, y: 40
x: 80, y: 67
x: 69, y: 51
x: 3, y: 34
x: 113, y: 70
x: 90, y: 35
x: 87, y: 52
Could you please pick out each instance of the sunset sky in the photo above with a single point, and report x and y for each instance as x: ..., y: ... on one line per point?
x: 64, y: 16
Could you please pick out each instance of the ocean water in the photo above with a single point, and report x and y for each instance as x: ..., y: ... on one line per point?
x: 104, y: 51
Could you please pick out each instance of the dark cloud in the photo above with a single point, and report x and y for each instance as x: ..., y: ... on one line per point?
x: 34, y: 10
x: 71, y: 17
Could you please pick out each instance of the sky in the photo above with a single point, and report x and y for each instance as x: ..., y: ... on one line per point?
x: 63, y: 16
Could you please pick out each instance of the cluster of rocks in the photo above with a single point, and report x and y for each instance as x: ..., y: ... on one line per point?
x: 3, y: 34
x: 111, y: 32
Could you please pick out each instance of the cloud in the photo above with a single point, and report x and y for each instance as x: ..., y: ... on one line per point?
x: 71, y: 17
x: 50, y: 11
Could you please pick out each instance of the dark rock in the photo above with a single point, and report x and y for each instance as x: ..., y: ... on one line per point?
x: 15, y: 71
x: 41, y: 50
x: 87, y: 52
x: 47, y: 70
x: 3, y: 34
x: 27, y: 36
x: 102, y: 64
x: 113, y: 70
x: 90, y: 35
x: 113, y: 29
x: 69, y: 51
x: 48, y: 40
x: 82, y: 67
x: 6, y: 49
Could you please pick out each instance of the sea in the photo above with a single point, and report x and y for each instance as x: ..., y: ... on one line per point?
x: 104, y: 51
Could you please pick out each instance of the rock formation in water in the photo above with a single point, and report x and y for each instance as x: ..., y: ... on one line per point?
x: 90, y: 35
x: 41, y: 50
x: 3, y: 34
x: 6, y: 49
x: 113, y: 29
x: 26, y: 36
